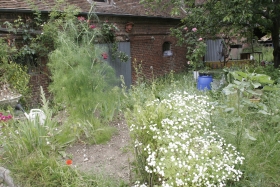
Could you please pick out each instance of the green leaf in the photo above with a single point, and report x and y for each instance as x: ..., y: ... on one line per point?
x: 270, y: 88
x: 236, y: 76
x: 62, y: 153
x: 229, y: 90
x: 248, y: 136
x: 242, y: 74
x: 229, y: 109
x: 256, y: 84
x: 265, y: 79
x: 263, y: 112
x: 275, y: 119
x: 253, y: 92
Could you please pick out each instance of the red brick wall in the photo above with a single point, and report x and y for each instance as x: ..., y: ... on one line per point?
x: 146, y: 40
x: 148, y: 52
x: 146, y: 37
x: 39, y: 78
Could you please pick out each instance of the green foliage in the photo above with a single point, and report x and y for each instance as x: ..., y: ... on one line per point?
x: 26, y: 48
x: 252, y: 127
x: 21, y: 138
x: 155, y: 122
x: 267, y: 69
x: 269, y: 107
x: 257, y: 138
x: 11, y: 73
x: 30, y: 151
x: 39, y: 170
x: 108, y: 31
x: 196, y: 47
x: 223, y: 18
x: 4, y: 51
x: 16, y: 76
x: 38, y: 34
x: 82, y: 82
x: 267, y: 53
x: 156, y: 88
x: 244, y: 84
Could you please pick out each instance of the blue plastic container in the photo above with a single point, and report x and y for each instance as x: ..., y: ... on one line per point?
x: 204, y: 82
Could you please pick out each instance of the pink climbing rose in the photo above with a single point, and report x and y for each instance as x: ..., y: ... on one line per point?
x: 81, y: 18
x: 92, y: 26
x: 194, y: 29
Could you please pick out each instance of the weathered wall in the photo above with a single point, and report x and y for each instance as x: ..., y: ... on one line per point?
x: 39, y: 76
x: 146, y: 39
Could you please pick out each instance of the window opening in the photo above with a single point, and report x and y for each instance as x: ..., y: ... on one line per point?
x: 166, y: 48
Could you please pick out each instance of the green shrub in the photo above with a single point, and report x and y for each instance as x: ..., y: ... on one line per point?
x: 16, y: 76
x: 82, y: 81
x: 253, y: 127
x: 267, y: 53
x: 13, y: 74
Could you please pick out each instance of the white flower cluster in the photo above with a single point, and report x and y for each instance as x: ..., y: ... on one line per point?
x: 185, y: 149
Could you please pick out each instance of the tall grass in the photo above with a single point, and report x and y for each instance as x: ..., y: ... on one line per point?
x: 82, y: 82
x: 31, y: 151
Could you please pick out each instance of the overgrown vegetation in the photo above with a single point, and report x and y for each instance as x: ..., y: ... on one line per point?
x: 182, y: 136
x: 34, y: 153
x: 13, y: 76
x: 251, y: 127
x: 84, y: 86
x: 170, y: 121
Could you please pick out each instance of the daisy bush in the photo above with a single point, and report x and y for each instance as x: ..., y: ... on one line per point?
x: 176, y: 144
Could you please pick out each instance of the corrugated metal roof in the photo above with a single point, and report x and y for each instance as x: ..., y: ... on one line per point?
x: 120, y: 7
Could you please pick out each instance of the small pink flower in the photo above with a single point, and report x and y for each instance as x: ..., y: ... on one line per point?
x: 81, y: 18
x: 194, y: 29
x: 92, y: 26
x: 106, y: 21
x: 200, y: 39
x: 186, y: 28
x: 189, y: 62
x: 5, y: 118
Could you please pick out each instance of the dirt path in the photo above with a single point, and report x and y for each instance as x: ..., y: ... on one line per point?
x: 112, y: 158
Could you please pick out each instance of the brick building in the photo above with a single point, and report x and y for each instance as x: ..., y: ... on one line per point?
x: 147, y: 40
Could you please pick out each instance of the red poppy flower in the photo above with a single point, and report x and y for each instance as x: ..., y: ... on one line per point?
x: 69, y: 162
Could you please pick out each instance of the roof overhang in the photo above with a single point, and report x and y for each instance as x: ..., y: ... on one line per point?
x: 86, y: 13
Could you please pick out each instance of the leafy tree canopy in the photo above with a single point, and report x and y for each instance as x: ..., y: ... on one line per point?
x: 229, y: 18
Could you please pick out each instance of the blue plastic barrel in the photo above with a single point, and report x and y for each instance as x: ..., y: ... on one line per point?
x: 204, y: 82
